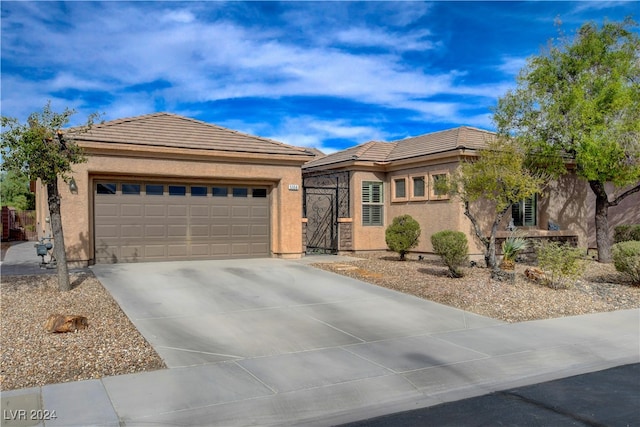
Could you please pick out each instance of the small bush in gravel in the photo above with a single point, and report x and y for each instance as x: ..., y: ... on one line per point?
x: 453, y: 249
x: 625, y: 233
x: 561, y: 263
x: 626, y: 258
x: 402, y: 234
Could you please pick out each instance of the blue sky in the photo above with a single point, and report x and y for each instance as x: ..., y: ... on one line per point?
x: 323, y: 74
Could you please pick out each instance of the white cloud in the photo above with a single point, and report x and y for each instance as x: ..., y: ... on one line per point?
x: 512, y: 65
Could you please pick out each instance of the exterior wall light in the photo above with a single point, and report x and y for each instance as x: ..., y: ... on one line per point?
x: 73, y: 187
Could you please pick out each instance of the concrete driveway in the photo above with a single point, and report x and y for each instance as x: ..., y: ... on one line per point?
x: 196, y: 313
x: 272, y: 342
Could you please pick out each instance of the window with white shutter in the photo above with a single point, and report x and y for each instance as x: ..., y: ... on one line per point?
x: 372, y: 203
x: 525, y: 213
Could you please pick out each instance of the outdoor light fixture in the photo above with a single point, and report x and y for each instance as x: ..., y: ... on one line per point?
x: 73, y: 187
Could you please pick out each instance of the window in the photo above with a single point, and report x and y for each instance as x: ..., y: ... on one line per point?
x: 240, y: 192
x: 133, y: 189
x: 419, y: 188
x: 524, y: 213
x: 438, y: 179
x: 399, y: 189
x: 177, y: 190
x: 198, y: 191
x: 106, y: 188
x: 154, y: 189
x: 219, y: 191
x: 259, y: 192
x: 372, y: 203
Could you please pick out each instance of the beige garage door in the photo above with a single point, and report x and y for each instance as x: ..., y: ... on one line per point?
x: 159, y: 221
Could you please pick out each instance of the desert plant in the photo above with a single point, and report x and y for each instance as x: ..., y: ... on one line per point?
x: 562, y: 264
x: 625, y: 233
x: 453, y: 249
x: 402, y: 234
x: 626, y: 258
x: 511, y: 247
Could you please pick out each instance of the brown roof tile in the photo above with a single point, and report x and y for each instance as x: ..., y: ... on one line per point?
x: 431, y: 143
x: 442, y: 141
x: 171, y: 130
x: 372, y: 151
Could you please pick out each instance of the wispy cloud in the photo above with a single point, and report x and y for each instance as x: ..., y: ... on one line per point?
x: 400, y: 60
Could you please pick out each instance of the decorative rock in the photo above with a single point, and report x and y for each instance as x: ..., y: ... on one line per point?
x: 535, y: 275
x: 65, y: 323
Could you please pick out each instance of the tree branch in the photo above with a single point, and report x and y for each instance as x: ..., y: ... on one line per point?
x: 625, y: 194
x: 476, y: 226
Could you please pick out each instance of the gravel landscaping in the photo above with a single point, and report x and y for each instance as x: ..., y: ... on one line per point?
x: 600, y: 289
x: 111, y: 345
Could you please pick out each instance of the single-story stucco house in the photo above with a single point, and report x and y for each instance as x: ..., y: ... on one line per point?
x: 353, y: 195
x: 164, y: 187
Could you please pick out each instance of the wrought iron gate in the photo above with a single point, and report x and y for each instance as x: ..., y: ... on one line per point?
x: 326, y: 198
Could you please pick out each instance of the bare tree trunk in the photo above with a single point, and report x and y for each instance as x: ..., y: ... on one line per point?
x: 59, y: 252
x: 602, y: 221
x: 489, y: 243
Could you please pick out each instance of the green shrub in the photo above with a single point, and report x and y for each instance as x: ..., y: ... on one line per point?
x: 561, y: 263
x: 453, y: 249
x: 626, y: 258
x: 511, y: 247
x: 625, y: 233
x: 402, y: 234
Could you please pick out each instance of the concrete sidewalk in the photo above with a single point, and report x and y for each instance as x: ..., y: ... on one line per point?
x: 275, y: 342
x: 241, y: 393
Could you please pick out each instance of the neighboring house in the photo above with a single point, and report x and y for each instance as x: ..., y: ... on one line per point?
x: 165, y: 187
x: 352, y: 196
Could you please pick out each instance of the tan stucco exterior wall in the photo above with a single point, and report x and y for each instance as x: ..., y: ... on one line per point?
x: 564, y: 202
x: 77, y: 209
x: 367, y: 238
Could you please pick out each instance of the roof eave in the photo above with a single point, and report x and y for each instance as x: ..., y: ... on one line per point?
x: 131, y: 150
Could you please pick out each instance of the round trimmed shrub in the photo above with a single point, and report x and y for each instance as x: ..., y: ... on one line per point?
x: 402, y: 234
x: 453, y: 248
x: 626, y: 258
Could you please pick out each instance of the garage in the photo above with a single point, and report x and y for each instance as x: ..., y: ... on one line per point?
x: 165, y: 187
x: 161, y: 221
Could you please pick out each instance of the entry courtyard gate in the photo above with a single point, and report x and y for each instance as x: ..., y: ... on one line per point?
x: 326, y: 199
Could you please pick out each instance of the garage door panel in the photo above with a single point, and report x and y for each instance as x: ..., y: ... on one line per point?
x: 259, y: 211
x: 200, y: 250
x: 106, y: 210
x: 220, y: 211
x: 178, y: 251
x: 155, y: 251
x: 239, y: 249
x: 200, y: 211
x: 155, y: 231
x: 132, y: 253
x: 134, y: 210
x: 200, y: 231
x: 140, y: 227
x: 220, y: 231
x: 218, y: 249
x: 177, y: 211
x: 259, y: 230
x: 155, y: 210
x: 132, y: 231
x: 240, y: 231
x: 259, y: 248
x: 107, y: 230
x: 177, y: 231
x: 241, y: 211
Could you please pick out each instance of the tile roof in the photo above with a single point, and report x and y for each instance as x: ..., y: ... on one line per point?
x: 174, y: 131
x: 431, y: 143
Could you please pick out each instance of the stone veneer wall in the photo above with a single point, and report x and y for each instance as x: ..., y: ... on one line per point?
x: 345, y: 236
